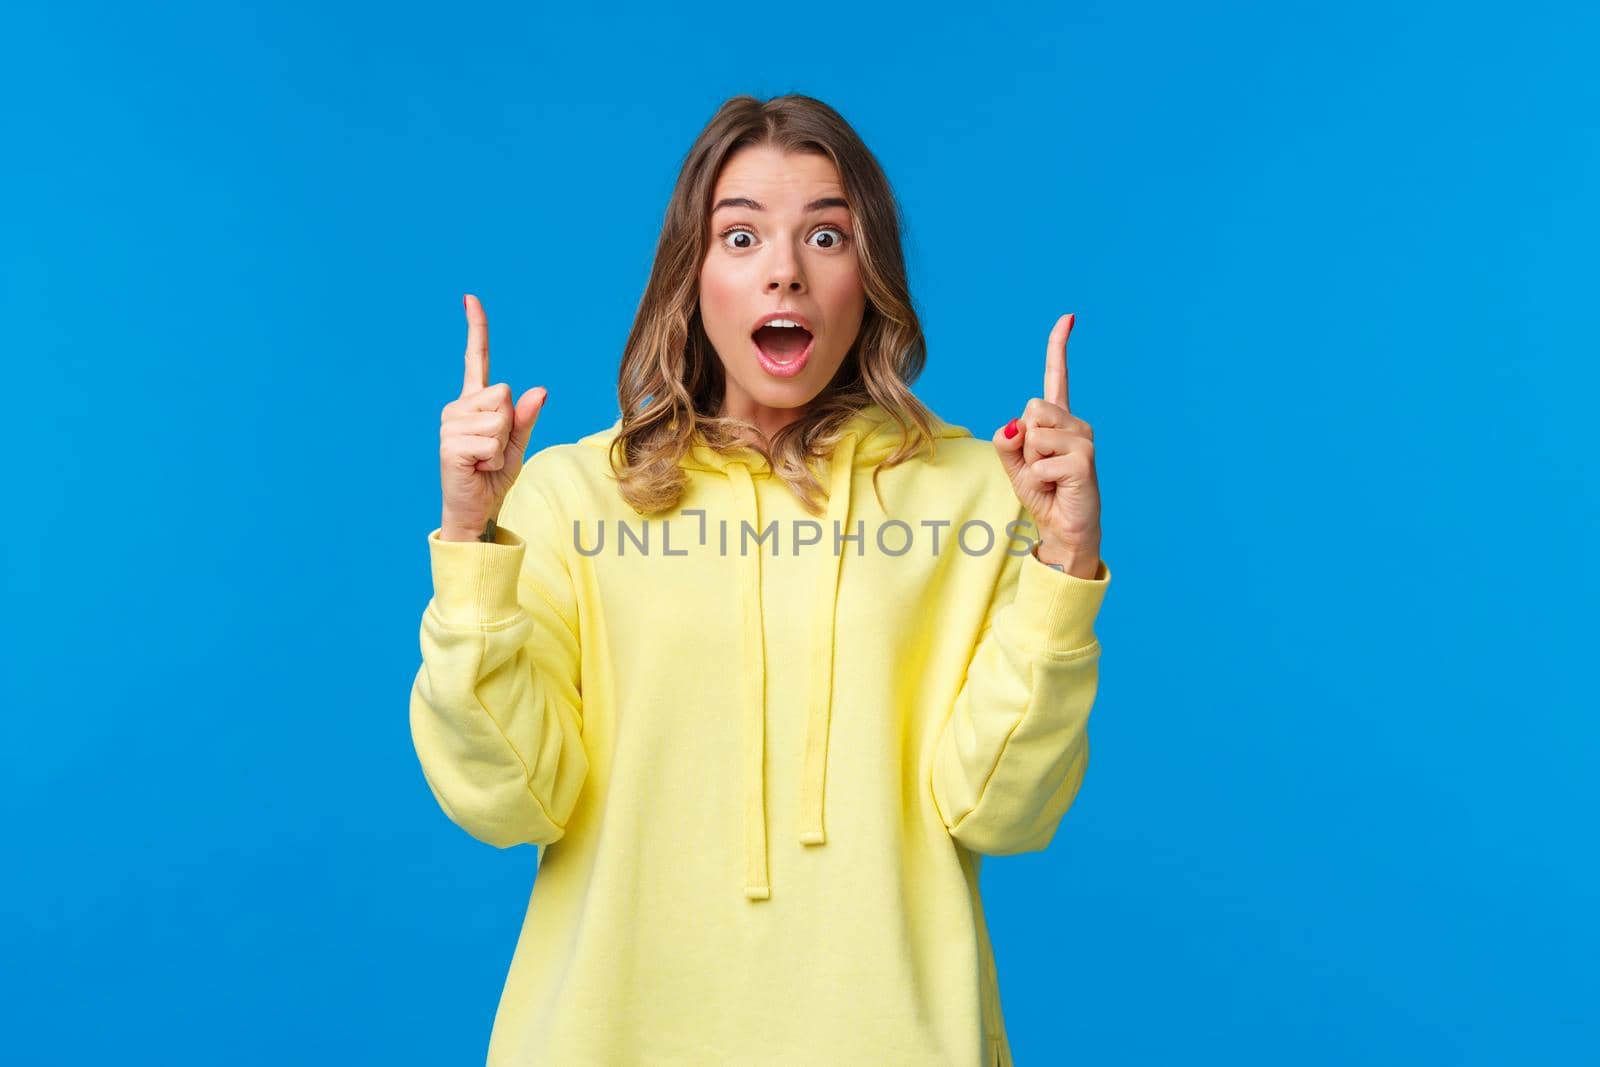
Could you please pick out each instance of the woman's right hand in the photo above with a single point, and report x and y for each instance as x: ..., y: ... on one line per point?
x: 482, y: 438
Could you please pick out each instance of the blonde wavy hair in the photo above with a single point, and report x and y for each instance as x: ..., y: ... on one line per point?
x: 670, y: 386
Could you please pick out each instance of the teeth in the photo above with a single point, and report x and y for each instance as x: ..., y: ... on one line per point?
x: 782, y: 322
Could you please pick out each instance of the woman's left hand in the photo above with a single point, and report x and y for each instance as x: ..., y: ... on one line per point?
x: 1049, y: 454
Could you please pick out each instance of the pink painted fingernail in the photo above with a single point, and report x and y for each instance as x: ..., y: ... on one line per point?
x: 1011, y: 428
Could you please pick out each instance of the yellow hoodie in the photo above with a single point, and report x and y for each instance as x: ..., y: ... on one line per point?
x: 761, y: 781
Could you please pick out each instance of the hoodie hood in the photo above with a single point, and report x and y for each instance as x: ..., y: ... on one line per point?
x: 869, y: 436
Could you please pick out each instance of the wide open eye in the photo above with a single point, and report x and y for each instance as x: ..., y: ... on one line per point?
x: 731, y: 232
x: 836, y: 242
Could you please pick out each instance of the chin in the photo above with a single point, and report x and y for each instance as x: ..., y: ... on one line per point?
x: 793, y: 394
x: 746, y: 374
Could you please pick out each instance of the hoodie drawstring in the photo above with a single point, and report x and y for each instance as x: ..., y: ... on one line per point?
x: 814, y: 771
x: 756, y: 885
x: 814, y: 781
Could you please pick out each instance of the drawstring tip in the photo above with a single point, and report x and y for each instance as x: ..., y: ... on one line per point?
x: 813, y: 837
x: 758, y: 892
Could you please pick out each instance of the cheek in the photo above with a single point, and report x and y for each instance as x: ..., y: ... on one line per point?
x: 718, y: 304
x: 845, y: 294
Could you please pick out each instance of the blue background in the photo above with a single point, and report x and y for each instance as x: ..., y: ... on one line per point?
x: 1334, y: 271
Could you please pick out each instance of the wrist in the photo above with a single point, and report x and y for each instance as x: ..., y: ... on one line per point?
x: 1080, y: 561
x: 454, y: 532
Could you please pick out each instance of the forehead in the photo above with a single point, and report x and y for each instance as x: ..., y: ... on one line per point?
x: 765, y: 173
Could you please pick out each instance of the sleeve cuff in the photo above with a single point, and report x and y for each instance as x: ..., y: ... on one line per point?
x: 1055, y: 611
x: 475, y: 582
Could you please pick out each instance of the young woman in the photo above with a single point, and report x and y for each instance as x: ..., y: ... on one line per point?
x: 768, y: 664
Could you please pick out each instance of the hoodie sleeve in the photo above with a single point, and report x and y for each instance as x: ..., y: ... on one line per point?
x: 496, y: 713
x: 1008, y: 761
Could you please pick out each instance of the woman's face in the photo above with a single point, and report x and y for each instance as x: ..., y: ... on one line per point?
x: 780, y: 241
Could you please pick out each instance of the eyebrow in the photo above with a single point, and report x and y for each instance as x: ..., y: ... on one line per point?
x: 745, y: 201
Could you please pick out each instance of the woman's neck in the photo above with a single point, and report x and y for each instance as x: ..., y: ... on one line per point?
x: 768, y: 420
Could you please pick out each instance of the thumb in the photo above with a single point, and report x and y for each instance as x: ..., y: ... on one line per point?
x: 1010, y: 448
x: 523, y: 416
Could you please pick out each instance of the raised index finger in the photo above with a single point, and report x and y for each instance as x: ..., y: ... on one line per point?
x: 1055, y: 362
x: 477, y: 346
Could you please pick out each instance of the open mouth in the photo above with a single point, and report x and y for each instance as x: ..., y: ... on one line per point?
x: 783, y: 350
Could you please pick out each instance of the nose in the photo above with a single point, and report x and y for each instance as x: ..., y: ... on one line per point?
x: 785, y: 274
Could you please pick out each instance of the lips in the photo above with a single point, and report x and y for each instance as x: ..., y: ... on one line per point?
x: 782, y: 343
x: 792, y: 316
x: 783, y: 351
